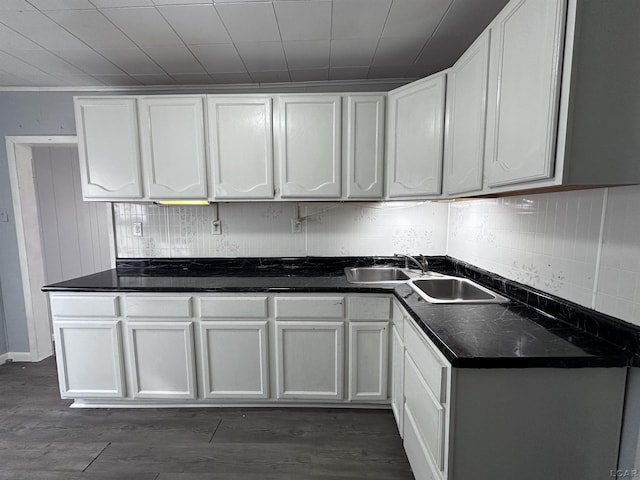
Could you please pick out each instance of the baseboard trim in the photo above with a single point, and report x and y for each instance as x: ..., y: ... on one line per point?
x: 3, y: 358
x: 19, y: 356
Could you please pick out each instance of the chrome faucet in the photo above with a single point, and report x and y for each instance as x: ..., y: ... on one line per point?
x: 423, y: 264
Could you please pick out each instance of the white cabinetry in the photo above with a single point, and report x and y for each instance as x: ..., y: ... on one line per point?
x: 173, y: 147
x: 108, y: 148
x: 310, y: 146
x: 397, y: 366
x: 241, y: 147
x: 415, y: 133
x: 364, y: 146
x: 79, y: 340
x: 368, y: 360
x: 524, y: 87
x: 465, y: 119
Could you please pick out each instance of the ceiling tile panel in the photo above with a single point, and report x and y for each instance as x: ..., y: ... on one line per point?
x: 89, y: 61
x: 397, y: 71
x: 304, y: 55
x: 91, y: 27
x: 262, y: 56
x: 414, y: 18
x: 10, y: 40
x: 310, y: 75
x: 196, y: 24
x: 348, y: 73
x: 354, y: 19
x: 181, y: 2
x: 61, y: 4
x: 19, y: 68
x: 224, y: 78
x: 132, y: 61
x: 219, y: 58
x: 118, y: 80
x: 48, y: 62
x: 353, y: 53
x: 144, y: 25
x: 304, y: 20
x: 122, y: 3
x: 250, y: 22
x: 155, y: 79
x: 40, y: 29
x: 15, y: 6
x: 80, y: 80
x: 397, y: 51
x: 11, y: 80
x: 175, y: 59
x: 270, y: 77
x: 193, y: 79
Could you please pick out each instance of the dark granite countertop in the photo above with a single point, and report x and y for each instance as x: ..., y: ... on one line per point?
x: 512, y: 335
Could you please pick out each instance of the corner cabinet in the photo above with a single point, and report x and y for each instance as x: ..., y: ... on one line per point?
x: 310, y: 146
x: 173, y: 147
x: 241, y: 147
x: 110, y: 164
x: 415, y: 135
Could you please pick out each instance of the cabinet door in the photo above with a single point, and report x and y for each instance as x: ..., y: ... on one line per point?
x: 173, y: 147
x: 241, y: 146
x: 397, y: 378
x: 310, y: 146
x: 310, y: 360
x: 415, y: 138
x: 162, y: 362
x: 466, y: 115
x: 368, y: 360
x: 108, y: 148
x: 99, y: 341
x: 524, y: 83
x: 235, y: 359
x: 364, y: 145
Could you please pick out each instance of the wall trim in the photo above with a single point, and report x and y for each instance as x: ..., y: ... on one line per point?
x: 387, y: 83
x: 21, y: 357
x: 3, y: 358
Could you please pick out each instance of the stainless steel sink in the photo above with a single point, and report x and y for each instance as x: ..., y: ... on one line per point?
x: 454, y: 290
x: 378, y: 274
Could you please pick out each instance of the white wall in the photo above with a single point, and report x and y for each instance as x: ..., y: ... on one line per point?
x: 264, y: 230
x: 583, y: 245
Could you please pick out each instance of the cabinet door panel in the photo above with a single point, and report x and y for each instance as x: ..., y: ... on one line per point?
x: 368, y: 360
x: 235, y: 359
x: 310, y: 360
x: 415, y: 138
x: 108, y: 148
x: 241, y: 146
x: 397, y: 378
x: 466, y: 114
x: 310, y: 145
x: 100, y: 341
x: 524, y: 81
x: 173, y: 147
x: 162, y: 360
x: 364, y: 146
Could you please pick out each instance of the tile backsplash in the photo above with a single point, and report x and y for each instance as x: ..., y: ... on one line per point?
x: 264, y: 229
x: 582, y: 245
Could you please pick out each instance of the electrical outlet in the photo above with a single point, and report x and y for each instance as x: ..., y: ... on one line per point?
x: 216, y: 227
x: 296, y: 225
x: 137, y: 229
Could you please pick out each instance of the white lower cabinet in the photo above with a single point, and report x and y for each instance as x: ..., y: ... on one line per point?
x: 162, y: 359
x: 310, y: 360
x: 368, y: 360
x: 234, y: 359
x: 397, y: 378
x: 99, y: 341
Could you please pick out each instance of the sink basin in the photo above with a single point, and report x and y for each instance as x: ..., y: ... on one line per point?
x: 378, y: 274
x: 454, y: 290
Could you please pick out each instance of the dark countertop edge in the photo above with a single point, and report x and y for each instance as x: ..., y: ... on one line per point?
x: 323, y: 289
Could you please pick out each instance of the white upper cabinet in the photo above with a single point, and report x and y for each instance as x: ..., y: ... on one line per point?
x: 108, y: 148
x: 241, y: 147
x: 415, y: 138
x: 364, y: 146
x: 465, y: 119
x: 173, y: 147
x: 310, y: 146
x: 524, y: 85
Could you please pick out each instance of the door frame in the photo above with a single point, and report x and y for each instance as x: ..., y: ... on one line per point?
x: 29, y: 238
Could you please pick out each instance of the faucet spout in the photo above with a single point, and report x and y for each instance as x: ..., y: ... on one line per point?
x: 422, y: 263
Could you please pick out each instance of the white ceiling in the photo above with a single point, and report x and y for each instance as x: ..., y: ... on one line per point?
x: 197, y: 42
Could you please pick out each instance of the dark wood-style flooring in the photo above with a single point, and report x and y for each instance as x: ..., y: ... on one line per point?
x: 42, y: 439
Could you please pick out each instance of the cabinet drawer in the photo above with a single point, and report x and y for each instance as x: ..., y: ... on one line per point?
x: 369, y: 308
x: 234, y: 307
x: 309, y: 307
x: 398, y: 317
x: 426, y: 360
x: 84, y: 305
x: 160, y: 306
x: 427, y: 412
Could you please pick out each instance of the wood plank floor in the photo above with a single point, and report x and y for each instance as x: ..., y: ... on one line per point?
x: 42, y: 439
